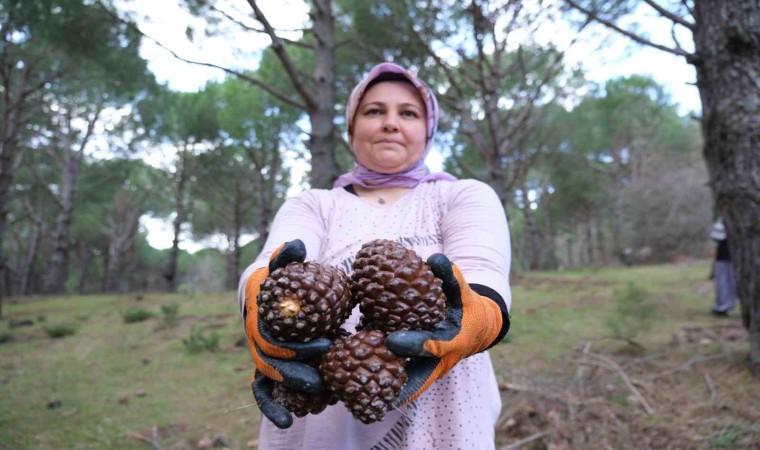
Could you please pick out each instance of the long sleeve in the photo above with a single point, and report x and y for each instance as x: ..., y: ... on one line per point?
x: 476, y: 237
x: 298, y: 218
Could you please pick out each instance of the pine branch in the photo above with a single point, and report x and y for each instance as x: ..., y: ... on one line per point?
x: 279, y: 95
x: 633, y: 36
x: 669, y: 15
x: 279, y: 50
x: 247, y: 27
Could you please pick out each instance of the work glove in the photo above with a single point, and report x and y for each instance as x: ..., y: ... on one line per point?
x: 470, y: 325
x: 275, y: 360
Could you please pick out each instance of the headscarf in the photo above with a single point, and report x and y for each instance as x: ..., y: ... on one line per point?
x: 416, y: 174
x: 718, y: 232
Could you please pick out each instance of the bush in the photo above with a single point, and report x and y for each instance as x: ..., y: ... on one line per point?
x: 136, y: 315
x: 170, y: 314
x: 6, y: 336
x: 60, y: 330
x: 633, y: 313
x: 198, y: 342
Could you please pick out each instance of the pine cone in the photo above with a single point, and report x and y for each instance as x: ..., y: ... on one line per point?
x: 303, y: 301
x: 302, y: 403
x: 395, y: 289
x: 364, y: 374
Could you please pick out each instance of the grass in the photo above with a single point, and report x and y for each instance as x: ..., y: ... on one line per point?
x: 114, y: 381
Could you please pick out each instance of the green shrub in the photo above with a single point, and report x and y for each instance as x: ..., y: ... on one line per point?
x: 133, y: 315
x: 6, y: 336
x: 198, y: 341
x: 170, y: 314
x: 632, y: 315
x: 726, y: 438
x: 41, y: 318
x: 59, y: 330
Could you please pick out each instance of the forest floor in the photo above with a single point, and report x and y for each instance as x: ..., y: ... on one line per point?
x: 568, y: 380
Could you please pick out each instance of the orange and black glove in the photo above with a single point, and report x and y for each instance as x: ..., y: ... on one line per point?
x: 472, y: 323
x: 275, y: 360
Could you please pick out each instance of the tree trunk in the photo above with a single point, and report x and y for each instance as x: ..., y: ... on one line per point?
x: 11, y: 123
x: 531, y: 235
x: 601, y: 251
x: 71, y: 162
x: 124, y: 225
x: 233, y: 240
x: 324, y: 168
x: 727, y: 43
x: 589, y: 240
x: 84, y: 269
x: 170, y: 274
x: 618, y: 185
x: 31, y: 256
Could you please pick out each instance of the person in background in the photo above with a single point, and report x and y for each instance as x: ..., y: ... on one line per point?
x: 723, y: 272
x: 452, y: 400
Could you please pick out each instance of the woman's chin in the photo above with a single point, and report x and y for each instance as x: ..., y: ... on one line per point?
x: 391, y: 169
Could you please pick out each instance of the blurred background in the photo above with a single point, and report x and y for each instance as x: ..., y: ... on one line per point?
x: 154, y: 141
x: 147, y: 145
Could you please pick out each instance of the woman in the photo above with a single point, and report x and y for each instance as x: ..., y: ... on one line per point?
x: 452, y: 401
x: 725, y: 281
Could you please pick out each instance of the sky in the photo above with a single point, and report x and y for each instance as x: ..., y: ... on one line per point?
x: 603, y: 55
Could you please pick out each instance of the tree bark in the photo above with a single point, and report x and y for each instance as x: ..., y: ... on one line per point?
x: 589, y: 240
x: 599, y: 235
x: 324, y: 168
x: 233, y: 240
x: 57, y: 270
x: 124, y: 225
x: 13, y: 100
x: 170, y: 274
x: 727, y: 44
x: 84, y: 268
x: 31, y: 256
x: 319, y: 100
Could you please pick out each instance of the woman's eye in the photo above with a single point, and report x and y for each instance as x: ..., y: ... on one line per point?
x: 409, y: 113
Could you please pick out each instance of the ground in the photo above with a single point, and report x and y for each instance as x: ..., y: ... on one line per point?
x: 677, y: 380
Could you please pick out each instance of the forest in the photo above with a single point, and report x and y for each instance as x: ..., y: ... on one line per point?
x: 589, y: 173
x: 610, y: 188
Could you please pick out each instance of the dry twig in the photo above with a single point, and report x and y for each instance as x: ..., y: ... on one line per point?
x: 580, y: 374
x: 153, y: 440
x: 526, y: 440
x: 710, y: 385
x: 687, y: 365
x: 100, y: 439
x: 609, y: 364
x: 507, y: 386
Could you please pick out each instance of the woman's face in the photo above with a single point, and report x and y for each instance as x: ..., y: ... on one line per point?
x: 389, y: 130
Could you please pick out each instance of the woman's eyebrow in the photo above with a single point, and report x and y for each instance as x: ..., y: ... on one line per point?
x: 385, y: 105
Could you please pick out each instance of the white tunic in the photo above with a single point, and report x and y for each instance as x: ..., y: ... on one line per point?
x: 463, y: 220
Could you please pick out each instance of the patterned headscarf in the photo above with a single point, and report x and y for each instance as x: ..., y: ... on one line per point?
x: 417, y: 173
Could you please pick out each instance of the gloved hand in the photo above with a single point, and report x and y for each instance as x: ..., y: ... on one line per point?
x: 276, y: 360
x: 470, y: 325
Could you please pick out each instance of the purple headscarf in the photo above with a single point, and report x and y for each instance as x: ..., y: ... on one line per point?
x: 417, y: 173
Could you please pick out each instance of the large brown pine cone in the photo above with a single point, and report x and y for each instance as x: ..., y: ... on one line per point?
x: 302, y: 403
x: 303, y: 301
x: 364, y: 374
x: 395, y: 289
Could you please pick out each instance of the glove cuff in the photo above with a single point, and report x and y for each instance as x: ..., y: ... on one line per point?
x: 485, y: 291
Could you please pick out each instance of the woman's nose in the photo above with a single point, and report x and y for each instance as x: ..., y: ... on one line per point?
x: 391, y: 122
